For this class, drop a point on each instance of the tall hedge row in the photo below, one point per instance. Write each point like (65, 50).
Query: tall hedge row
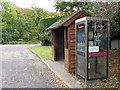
(45, 35)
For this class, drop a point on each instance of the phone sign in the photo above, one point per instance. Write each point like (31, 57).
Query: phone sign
(93, 48)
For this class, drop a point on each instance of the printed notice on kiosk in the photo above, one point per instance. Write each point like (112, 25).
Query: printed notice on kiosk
(93, 48)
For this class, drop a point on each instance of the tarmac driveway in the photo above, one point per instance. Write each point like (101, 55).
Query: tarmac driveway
(22, 69)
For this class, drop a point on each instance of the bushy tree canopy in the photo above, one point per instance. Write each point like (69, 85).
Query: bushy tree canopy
(70, 7)
(9, 17)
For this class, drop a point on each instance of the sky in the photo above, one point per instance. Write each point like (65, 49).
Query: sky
(45, 4)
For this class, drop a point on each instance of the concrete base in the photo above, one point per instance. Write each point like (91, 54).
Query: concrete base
(58, 68)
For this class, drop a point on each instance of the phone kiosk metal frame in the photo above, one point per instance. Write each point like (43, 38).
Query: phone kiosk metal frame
(92, 46)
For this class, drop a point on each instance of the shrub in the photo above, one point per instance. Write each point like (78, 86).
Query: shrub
(45, 35)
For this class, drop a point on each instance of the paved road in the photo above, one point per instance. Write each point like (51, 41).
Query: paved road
(22, 69)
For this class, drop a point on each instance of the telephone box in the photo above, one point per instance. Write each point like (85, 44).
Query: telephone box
(92, 47)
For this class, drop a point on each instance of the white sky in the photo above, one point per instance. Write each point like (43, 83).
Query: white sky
(45, 4)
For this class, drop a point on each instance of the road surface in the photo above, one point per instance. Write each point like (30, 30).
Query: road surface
(22, 69)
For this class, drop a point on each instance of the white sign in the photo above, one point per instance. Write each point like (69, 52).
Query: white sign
(93, 48)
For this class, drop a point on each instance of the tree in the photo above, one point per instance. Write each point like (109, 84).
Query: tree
(28, 20)
(110, 10)
(8, 21)
(18, 23)
(70, 7)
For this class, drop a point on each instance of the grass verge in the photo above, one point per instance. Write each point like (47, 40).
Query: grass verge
(44, 51)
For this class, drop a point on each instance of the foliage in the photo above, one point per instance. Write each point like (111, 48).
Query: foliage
(111, 11)
(18, 23)
(44, 51)
(98, 9)
(45, 35)
(8, 21)
(28, 21)
(70, 7)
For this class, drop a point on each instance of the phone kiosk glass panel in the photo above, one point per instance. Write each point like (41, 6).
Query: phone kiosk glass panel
(97, 50)
(81, 49)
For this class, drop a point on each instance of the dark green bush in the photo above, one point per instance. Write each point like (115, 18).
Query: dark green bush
(45, 35)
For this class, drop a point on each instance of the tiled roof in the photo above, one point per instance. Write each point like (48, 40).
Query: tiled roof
(62, 21)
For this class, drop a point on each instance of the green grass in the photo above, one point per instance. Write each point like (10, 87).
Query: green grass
(44, 51)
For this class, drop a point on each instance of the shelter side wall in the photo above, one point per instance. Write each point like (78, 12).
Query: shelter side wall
(71, 51)
(71, 48)
(68, 62)
(53, 46)
(66, 49)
